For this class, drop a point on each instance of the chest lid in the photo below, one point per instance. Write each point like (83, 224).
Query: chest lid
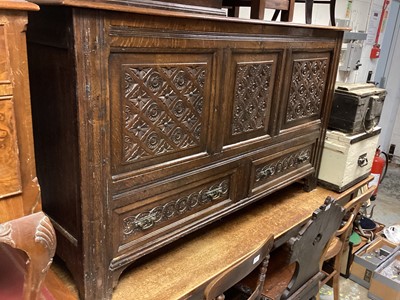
(359, 90)
(349, 139)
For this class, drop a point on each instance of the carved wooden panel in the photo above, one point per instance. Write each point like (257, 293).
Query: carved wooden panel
(10, 178)
(284, 164)
(252, 90)
(148, 222)
(175, 209)
(307, 87)
(253, 84)
(162, 110)
(266, 170)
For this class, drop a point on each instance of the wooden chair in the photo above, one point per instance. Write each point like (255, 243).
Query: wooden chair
(34, 235)
(257, 8)
(309, 8)
(294, 271)
(333, 255)
(239, 270)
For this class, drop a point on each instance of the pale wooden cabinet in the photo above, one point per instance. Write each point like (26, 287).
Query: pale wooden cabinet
(22, 224)
(152, 123)
(19, 189)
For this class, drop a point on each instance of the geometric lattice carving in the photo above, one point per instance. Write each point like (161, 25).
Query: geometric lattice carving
(285, 163)
(162, 109)
(175, 208)
(252, 90)
(307, 88)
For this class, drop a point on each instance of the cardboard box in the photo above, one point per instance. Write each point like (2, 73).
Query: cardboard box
(370, 257)
(385, 283)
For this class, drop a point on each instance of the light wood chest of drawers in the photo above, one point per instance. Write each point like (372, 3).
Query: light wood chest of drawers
(151, 124)
(19, 189)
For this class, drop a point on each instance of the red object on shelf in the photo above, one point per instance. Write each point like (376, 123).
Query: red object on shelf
(377, 169)
(375, 51)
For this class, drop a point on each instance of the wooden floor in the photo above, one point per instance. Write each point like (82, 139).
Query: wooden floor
(59, 283)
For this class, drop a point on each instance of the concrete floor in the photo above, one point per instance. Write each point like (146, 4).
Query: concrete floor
(386, 211)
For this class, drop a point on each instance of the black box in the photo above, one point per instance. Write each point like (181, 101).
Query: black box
(356, 107)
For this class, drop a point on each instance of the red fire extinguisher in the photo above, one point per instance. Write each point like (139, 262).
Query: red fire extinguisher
(378, 170)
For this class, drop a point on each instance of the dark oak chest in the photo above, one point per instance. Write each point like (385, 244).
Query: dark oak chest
(151, 124)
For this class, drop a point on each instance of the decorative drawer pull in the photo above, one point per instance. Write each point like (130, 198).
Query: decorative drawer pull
(267, 172)
(214, 193)
(145, 222)
(362, 160)
(302, 158)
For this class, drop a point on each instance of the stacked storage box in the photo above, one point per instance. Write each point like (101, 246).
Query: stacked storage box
(353, 136)
(347, 159)
(385, 283)
(370, 257)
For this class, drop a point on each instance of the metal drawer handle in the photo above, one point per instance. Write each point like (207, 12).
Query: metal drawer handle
(303, 157)
(267, 172)
(362, 160)
(145, 222)
(214, 193)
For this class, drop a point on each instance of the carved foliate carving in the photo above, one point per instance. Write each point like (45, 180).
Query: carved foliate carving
(284, 164)
(252, 88)
(307, 88)
(175, 208)
(162, 109)
(45, 235)
(5, 234)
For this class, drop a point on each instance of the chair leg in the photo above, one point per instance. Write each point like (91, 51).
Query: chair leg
(309, 8)
(332, 7)
(257, 9)
(276, 14)
(287, 15)
(336, 276)
(233, 11)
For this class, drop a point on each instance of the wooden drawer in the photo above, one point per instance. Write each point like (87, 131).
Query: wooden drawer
(146, 225)
(270, 171)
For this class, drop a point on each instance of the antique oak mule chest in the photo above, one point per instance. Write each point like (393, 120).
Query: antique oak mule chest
(152, 123)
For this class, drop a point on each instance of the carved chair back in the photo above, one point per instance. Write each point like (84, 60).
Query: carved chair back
(336, 247)
(307, 248)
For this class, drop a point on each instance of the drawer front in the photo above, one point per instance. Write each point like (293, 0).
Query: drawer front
(10, 177)
(294, 163)
(163, 217)
(5, 78)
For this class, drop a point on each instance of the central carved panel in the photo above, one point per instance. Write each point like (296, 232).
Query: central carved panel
(162, 109)
(252, 88)
(307, 88)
